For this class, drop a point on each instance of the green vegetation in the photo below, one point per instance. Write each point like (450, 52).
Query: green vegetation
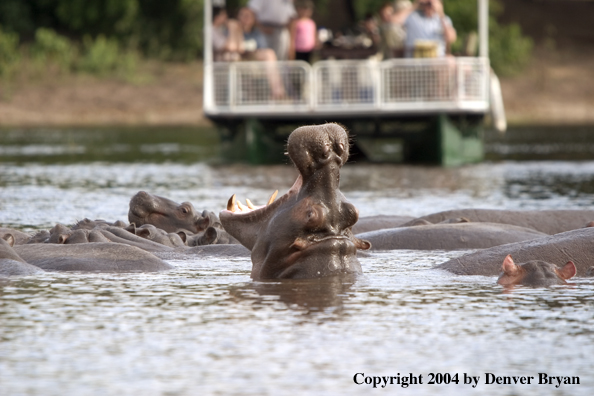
(9, 53)
(50, 49)
(509, 50)
(107, 37)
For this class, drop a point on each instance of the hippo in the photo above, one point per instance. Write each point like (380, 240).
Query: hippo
(20, 237)
(165, 214)
(152, 233)
(379, 222)
(41, 236)
(306, 233)
(576, 246)
(210, 236)
(534, 273)
(87, 224)
(146, 237)
(456, 236)
(90, 257)
(547, 221)
(11, 264)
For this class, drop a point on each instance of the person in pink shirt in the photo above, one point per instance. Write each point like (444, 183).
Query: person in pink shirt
(304, 31)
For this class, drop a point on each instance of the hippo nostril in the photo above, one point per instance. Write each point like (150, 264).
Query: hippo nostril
(339, 149)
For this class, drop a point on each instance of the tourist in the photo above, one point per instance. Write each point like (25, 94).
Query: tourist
(226, 36)
(392, 35)
(254, 49)
(304, 31)
(274, 18)
(428, 23)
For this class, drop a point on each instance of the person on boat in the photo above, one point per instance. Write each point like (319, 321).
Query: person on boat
(391, 32)
(370, 30)
(274, 18)
(304, 31)
(227, 39)
(254, 42)
(254, 48)
(402, 9)
(427, 25)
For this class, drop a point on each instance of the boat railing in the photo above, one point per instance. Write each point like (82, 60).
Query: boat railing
(396, 86)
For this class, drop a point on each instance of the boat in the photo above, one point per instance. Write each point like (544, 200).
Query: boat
(414, 110)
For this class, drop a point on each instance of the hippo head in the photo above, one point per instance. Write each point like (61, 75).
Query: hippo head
(165, 214)
(534, 273)
(306, 233)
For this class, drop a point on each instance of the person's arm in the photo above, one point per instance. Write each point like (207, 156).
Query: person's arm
(449, 33)
(292, 30)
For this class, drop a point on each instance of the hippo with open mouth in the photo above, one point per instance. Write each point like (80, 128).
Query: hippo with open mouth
(306, 233)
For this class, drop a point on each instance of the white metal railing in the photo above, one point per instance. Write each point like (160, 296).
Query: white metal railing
(349, 87)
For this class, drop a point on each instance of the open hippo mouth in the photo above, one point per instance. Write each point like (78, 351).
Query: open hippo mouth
(305, 233)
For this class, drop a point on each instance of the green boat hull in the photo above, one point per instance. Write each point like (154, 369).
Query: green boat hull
(442, 139)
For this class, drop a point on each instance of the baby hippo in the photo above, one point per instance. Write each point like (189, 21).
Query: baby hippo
(534, 273)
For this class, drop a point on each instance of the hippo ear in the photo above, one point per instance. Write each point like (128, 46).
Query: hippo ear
(210, 236)
(63, 238)
(203, 222)
(131, 228)
(568, 270)
(183, 235)
(509, 267)
(143, 232)
(9, 238)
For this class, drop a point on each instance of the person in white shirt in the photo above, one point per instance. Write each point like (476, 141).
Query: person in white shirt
(274, 18)
(429, 22)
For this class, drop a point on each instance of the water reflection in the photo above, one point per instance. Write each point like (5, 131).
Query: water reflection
(307, 295)
(124, 144)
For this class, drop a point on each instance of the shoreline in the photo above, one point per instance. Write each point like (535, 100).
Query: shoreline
(555, 89)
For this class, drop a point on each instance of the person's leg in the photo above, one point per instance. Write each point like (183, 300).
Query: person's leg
(278, 41)
(267, 55)
(235, 38)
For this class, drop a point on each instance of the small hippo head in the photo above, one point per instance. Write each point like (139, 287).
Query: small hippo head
(165, 214)
(534, 273)
(306, 233)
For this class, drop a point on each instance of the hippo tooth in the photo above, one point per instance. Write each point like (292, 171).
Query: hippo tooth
(272, 197)
(241, 207)
(249, 204)
(231, 204)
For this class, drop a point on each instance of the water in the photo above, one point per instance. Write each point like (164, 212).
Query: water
(206, 328)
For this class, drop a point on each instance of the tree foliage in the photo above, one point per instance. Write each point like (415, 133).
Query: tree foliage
(168, 29)
(172, 29)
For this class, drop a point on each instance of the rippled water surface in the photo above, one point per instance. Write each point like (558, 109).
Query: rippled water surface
(206, 328)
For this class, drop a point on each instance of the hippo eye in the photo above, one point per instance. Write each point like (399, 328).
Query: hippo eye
(315, 216)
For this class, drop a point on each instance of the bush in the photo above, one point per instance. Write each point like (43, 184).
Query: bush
(9, 53)
(51, 48)
(509, 51)
(104, 56)
(100, 56)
